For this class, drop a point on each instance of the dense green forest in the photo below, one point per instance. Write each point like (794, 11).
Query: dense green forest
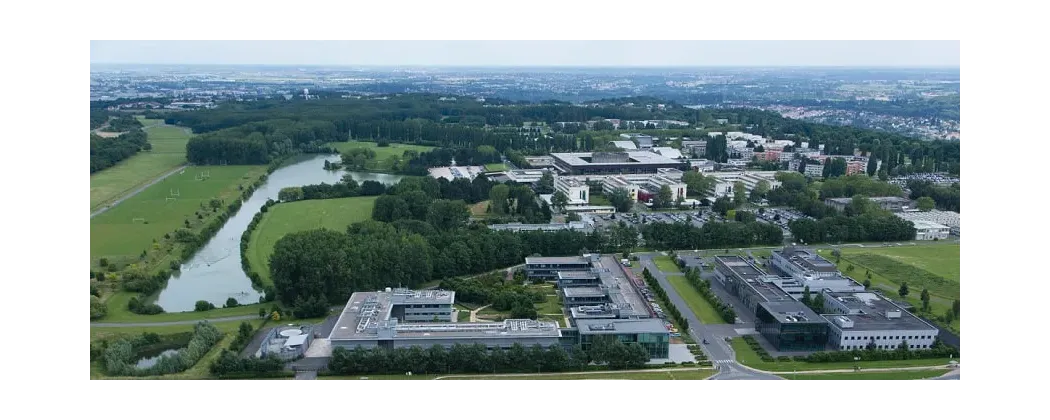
(108, 151)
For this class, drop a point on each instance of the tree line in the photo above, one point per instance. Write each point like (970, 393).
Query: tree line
(258, 143)
(659, 291)
(944, 197)
(868, 227)
(108, 151)
(118, 358)
(710, 235)
(703, 287)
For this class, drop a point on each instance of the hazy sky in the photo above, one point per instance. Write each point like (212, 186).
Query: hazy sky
(533, 53)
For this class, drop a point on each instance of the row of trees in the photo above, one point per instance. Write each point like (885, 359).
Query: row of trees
(659, 291)
(849, 186)
(710, 235)
(869, 227)
(108, 151)
(704, 288)
(228, 365)
(944, 197)
(871, 353)
(123, 123)
(260, 142)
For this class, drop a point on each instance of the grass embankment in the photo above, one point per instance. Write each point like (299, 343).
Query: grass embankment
(703, 310)
(335, 214)
(122, 233)
(169, 152)
(118, 312)
(746, 356)
(198, 371)
(495, 167)
(385, 156)
(896, 375)
(935, 267)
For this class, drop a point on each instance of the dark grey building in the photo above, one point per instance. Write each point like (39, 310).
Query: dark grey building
(548, 267)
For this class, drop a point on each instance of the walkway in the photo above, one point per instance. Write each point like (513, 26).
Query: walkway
(474, 313)
(602, 372)
(161, 324)
(136, 191)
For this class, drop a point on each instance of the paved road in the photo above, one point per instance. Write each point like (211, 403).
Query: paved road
(136, 191)
(161, 324)
(718, 350)
(609, 372)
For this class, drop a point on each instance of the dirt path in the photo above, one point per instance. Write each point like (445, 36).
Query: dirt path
(474, 313)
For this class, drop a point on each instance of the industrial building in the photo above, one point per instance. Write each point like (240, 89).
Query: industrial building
(626, 162)
(894, 204)
(858, 319)
(548, 267)
(383, 319)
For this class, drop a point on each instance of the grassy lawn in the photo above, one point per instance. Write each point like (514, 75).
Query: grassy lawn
(748, 357)
(384, 155)
(599, 200)
(198, 371)
(665, 264)
(282, 219)
(123, 232)
(891, 266)
(898, 375)
(169, 151)
(491, 314)
(495, 167)
(703, 310)
(654, 375)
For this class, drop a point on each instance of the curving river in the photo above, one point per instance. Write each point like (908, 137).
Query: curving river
(214, 274)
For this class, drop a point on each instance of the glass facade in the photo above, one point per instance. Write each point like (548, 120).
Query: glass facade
(658, 345)
(793, 336)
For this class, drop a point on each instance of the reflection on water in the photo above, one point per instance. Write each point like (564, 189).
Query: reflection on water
(147, 360)
(214, 274)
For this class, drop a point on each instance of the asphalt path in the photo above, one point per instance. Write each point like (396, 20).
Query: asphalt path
(718, 350)
(136, 191)
(338, 309)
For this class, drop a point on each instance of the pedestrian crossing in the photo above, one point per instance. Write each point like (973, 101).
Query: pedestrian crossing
(724, 361)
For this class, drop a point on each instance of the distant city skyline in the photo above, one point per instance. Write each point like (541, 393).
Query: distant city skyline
(636, 54)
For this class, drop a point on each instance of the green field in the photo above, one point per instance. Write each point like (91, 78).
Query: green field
(169, 151)
(748, 357)
(703, 310)
(665, 264)
(495, 167)
(893, 375)
(384, 155)
(282, 219)
(933, 266)
(598, 200)
(198, 371)
(123, 232)
(118, 311)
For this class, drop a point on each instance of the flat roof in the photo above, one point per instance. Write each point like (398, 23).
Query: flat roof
(740, 267)
(585, 291)
(557, 260)
(296, 340)
(621, 292)
(635, 157)
(769, 291)
(926, 224)
(412, 297)
(621, 326)
(366, 316)
(806, 259)
(577, 275)
(869, 313)
(788, 312)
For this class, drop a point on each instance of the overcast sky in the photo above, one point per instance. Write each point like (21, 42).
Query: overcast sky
(533, 53)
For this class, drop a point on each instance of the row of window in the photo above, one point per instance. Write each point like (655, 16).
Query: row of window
(427, 306)
(889, 337)
(886, 347)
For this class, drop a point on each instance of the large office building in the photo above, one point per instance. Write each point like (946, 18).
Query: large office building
(748, 282)
(548, 267)
(650, 333)
(613, 183)
(727, 180)
(647, 185)
(858, 319)
(582, 226)
(626, 162)
(394, 319)
(801, 269)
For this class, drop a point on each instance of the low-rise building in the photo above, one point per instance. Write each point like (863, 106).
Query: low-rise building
(577, 192)
(894, 204)
(791, 326)
(856, 320)
(548, 267)
(613, 183)
(946, 218)
(626, 162)
(814, 170)
(726, 181)
(693, 147)
(650, 333)
(928, 231)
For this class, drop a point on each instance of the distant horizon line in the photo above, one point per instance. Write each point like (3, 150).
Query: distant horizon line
(520, 66)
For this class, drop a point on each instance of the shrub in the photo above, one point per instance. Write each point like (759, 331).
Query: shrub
(118, 358)
(203, 305)
(98, 308)
(783, 359)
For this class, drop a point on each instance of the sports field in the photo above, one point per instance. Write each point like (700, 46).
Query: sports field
(384, 155)
(335, 214)
(169, 151)
(123, 232)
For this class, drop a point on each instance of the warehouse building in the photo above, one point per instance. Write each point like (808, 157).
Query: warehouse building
(384, 319)
(859, 319)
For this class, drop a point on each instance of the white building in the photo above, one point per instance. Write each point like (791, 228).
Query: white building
(668, 152)
(702, 165)
(649, 183)
(625, 144)
(928, 231)
(947, 218)
(613, 182)
(815, 170)
(726, 180)
(859, 319)
(578, 192)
